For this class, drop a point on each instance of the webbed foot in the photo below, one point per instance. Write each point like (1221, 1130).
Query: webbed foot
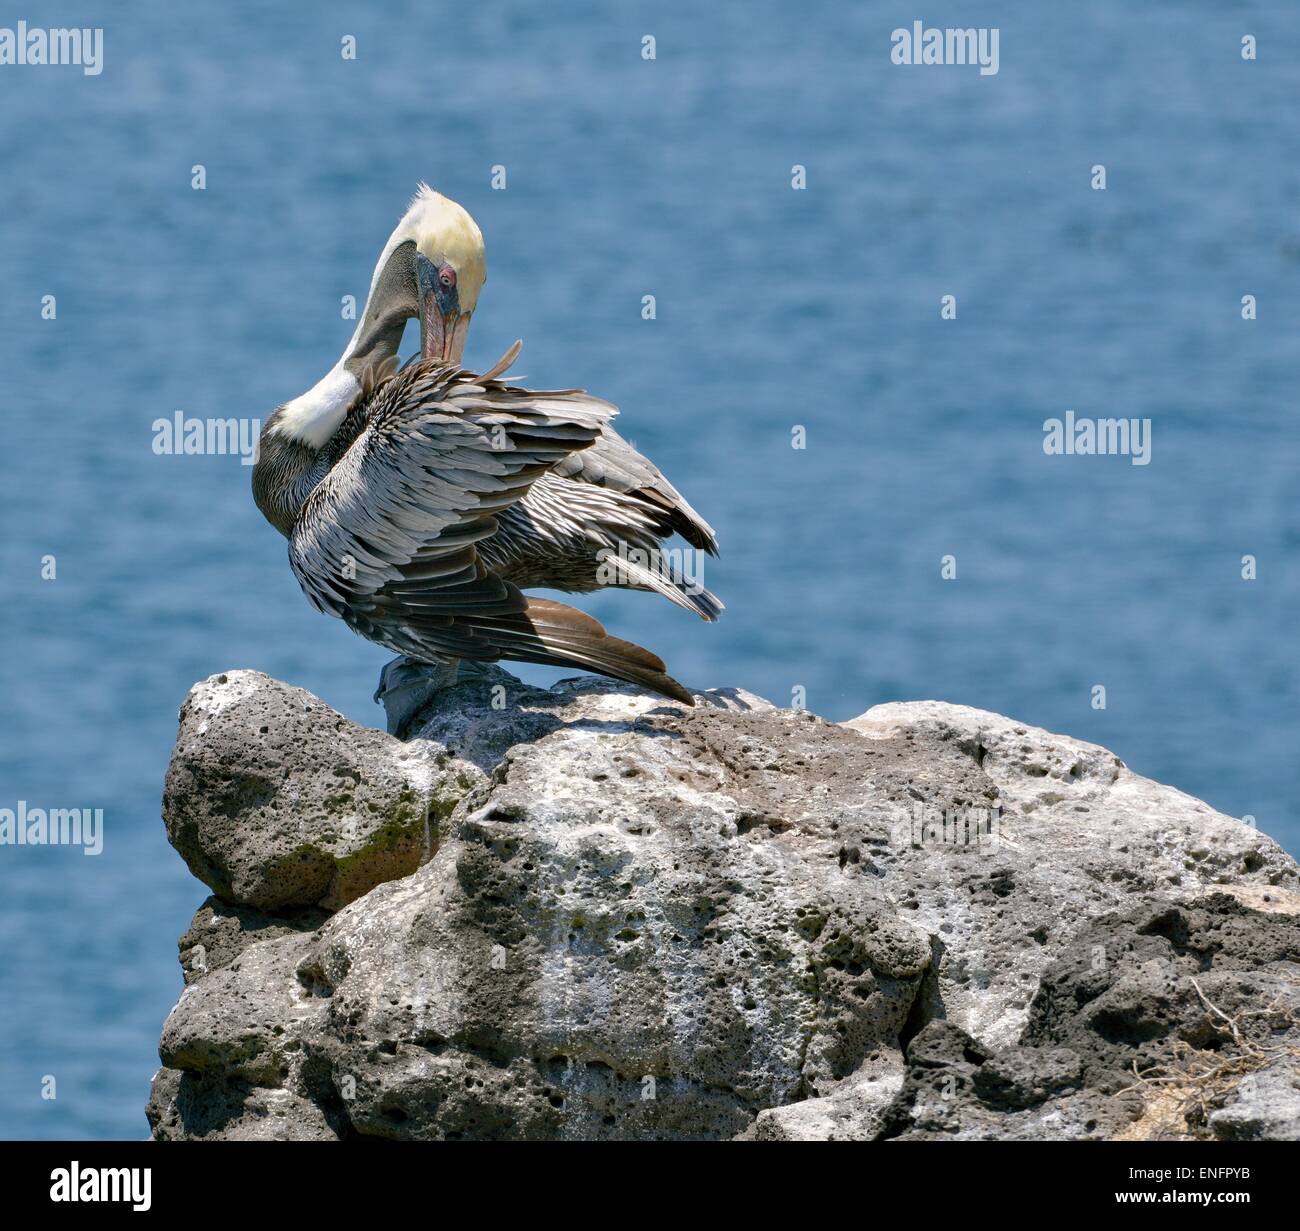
(406, 687)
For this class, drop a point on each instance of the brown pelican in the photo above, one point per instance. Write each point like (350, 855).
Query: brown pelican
(418, 502)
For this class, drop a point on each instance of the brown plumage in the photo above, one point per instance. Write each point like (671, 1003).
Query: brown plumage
(441, 492)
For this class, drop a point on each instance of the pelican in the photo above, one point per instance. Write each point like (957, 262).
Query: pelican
(419, 502)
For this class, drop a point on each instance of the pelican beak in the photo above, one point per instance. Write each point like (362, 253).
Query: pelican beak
(443, 326)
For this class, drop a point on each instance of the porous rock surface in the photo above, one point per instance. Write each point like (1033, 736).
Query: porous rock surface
(278, 803)
(585, 912)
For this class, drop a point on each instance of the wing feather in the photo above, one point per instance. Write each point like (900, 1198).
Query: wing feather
(387, 540)
(613, 462)
(419, 484)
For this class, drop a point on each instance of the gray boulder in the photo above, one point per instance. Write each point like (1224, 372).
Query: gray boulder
(625, 919)
(276, 802)
(1148, 1019)
(1264, 1106)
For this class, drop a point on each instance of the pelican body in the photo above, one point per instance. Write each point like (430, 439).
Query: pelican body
(419, 503)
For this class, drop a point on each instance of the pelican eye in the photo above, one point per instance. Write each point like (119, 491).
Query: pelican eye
(447, 276)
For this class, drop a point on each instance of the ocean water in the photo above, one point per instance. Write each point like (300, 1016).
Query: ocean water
(776, 308)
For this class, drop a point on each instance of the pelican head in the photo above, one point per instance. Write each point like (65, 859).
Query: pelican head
(432, 267)
(450, 269)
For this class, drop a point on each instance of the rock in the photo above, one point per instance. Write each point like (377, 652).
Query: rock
(276, 802)
(856, 1109)
(1076, 831)
(219, 933)
(1164, 1002)
(631, 920)
(1133, 980)
(957, 1090)
(239, 1021)
(1018, 1077)
(185, 1107)
(1265, 1106)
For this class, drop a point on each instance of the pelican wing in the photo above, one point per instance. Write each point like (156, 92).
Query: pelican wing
(614, 463)
(441, 451)
(387, 540)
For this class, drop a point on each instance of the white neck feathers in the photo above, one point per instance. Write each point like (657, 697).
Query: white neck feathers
(313, 417)
(440, 228)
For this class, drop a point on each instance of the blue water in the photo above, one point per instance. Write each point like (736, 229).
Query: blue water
(775, 308)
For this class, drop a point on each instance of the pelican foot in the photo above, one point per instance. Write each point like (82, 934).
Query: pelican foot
(406, 687)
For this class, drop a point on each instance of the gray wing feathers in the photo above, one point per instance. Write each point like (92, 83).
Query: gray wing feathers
(423, 478)
(569, 535)
(388, 540)
(612, 462)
